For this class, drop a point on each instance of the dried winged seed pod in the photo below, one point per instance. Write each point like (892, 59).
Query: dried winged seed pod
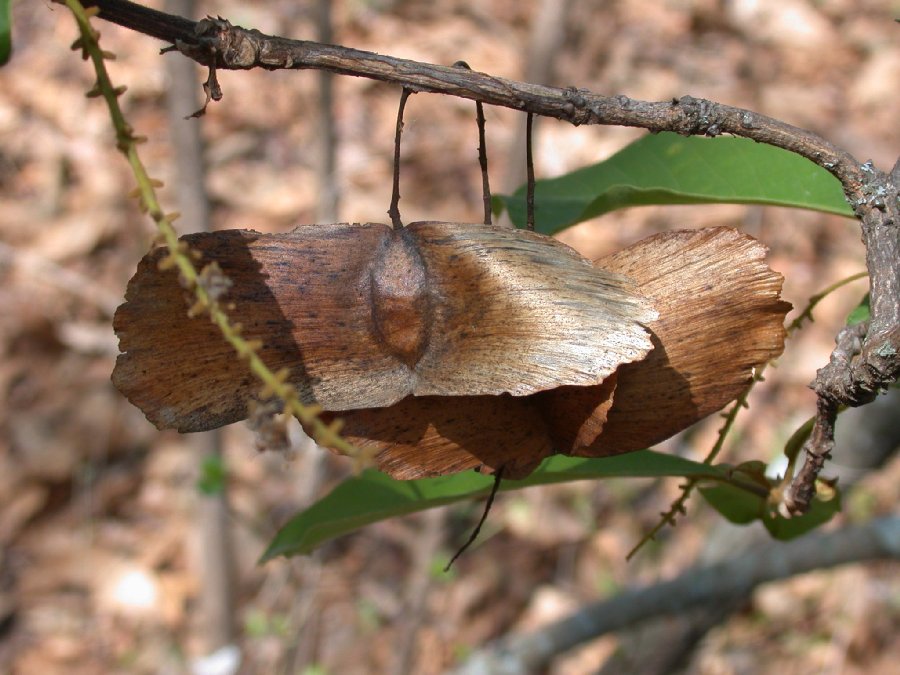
(364, 316)
(720, 316)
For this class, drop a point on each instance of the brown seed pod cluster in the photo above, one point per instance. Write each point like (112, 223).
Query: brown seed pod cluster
(449, 346)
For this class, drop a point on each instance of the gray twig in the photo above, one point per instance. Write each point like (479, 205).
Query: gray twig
(699, 586)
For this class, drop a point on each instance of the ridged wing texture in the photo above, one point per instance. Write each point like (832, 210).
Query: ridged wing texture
(517, 312)
(363, 316)
(720, 317)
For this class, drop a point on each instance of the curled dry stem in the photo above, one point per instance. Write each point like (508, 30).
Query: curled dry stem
(209, 284)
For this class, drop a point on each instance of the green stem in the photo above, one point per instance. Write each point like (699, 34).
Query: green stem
(180, 255)
(818, 297)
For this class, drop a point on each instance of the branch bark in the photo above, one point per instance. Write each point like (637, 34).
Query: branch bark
(699, 586)
(847, 380)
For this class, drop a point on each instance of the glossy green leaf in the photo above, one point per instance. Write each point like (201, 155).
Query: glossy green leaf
(738, 506)
(820, 512)
(667, 168)
(795, 443)
(5, 31)
(374, 496)
(742, 507)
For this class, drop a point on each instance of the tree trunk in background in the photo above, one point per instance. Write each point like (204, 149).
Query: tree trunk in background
(215, 558)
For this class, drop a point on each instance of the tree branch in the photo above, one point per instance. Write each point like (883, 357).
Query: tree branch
(216, 42)
(698, 586)
(873, 195)
(166, 27)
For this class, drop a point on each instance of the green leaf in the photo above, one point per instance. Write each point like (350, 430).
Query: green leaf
(667, 168)
(374, 496)
(5, 31)
(738, 506)
(742, 507)
(795, 443)
(859, 313)
(821, 510)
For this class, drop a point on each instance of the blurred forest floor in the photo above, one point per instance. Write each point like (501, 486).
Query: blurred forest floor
(98, 564)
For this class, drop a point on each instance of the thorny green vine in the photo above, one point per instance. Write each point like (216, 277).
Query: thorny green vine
(210, 284)
(791, 449)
